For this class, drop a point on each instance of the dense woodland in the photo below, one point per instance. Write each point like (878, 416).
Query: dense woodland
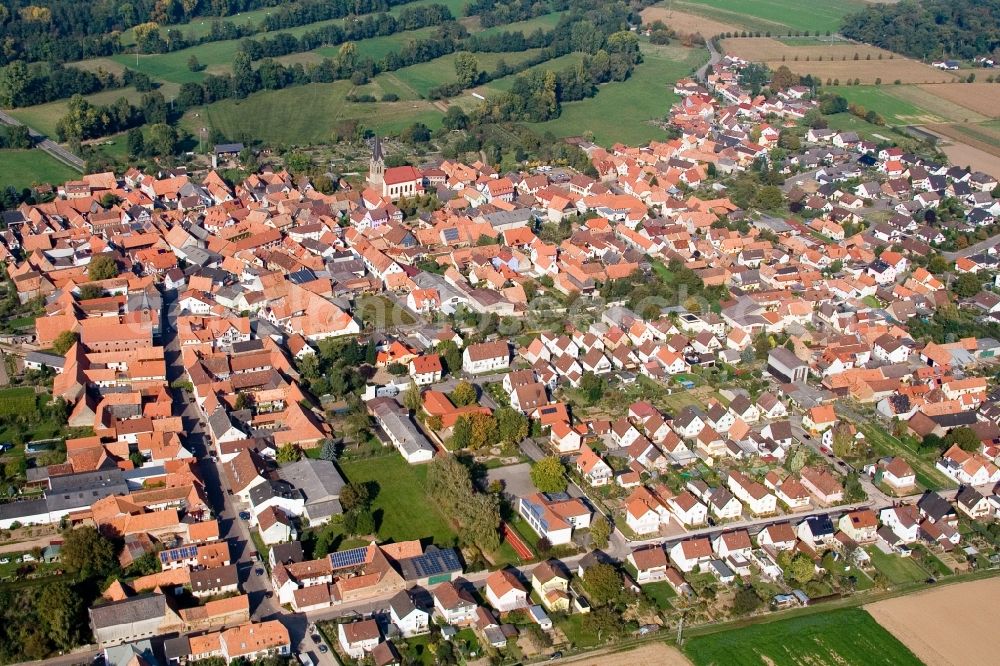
(929, 28)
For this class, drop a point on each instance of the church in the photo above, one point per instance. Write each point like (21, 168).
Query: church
(393, 183)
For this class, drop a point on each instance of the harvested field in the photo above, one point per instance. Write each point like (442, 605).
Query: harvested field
(969, 147)
(927, 98)
(837, 61)
(686, 23)
(654, 654)
(964, 614)
(982, 98)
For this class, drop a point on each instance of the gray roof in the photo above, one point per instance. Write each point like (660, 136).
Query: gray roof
(214, 578)
(401, 604)
(135, 609)
(287, 552)
(122, 655)
(52, 360)
(318, 480)
(505, 217)
(23, 509)
(76, 490)
(395, 420)
(219, 422)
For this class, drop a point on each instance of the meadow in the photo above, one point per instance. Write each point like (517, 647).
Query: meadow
(775, 14)
(844, 637)
(24, 168)
(884, 101)
(622, 111)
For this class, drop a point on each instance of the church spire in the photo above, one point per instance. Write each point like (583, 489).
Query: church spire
(377, 149)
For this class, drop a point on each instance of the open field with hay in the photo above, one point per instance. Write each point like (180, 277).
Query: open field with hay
(970, 145)
(945, 626)
(776, 14)
(836, 60)
(686, 23)
(983, 98)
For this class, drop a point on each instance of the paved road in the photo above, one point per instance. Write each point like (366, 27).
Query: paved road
(236, 531)
(713, 58)
(46, 144)
(981, 246)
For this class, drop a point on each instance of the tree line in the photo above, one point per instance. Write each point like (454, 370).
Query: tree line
(66, 30)
(929, 28)
(25, 85)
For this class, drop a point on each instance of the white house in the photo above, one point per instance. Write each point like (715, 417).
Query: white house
(691, 554)
(410, 620)
(756, 497)
(904, 521)
(426, 370)
(358, 638)
(688, 510)
(454, 604)
(554, 519)
(593, 468)
(505, 592)
(486, 357)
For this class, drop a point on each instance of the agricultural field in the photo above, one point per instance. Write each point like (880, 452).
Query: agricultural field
(836, 61)
(982, 98)
(24, 168)
(849, 636)
(307, 114)
(21, 400)
(686, 23)
(555, 65)
(775, 14)
(622, 111)
(964, 613)
(417, 80)
(885, 101)
(976, 146)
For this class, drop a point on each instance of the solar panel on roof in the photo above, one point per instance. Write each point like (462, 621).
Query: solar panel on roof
(451, 234)
(348, 558)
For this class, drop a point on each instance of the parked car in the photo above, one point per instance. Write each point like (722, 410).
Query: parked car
(244, 515)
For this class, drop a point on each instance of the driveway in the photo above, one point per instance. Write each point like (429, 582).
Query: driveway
(516, 479)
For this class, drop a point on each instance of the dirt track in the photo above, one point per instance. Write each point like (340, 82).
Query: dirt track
(652, 654)
(949, 626)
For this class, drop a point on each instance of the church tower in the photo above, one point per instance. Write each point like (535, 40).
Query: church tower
(376, 167)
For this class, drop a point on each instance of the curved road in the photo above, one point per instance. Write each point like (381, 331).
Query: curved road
(713, 58)
(45, 144)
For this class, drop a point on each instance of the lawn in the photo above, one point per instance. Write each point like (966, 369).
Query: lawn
(898, 570)
(403, 511)
(883, 444)
(420, 78)
(850, 636)
(307, 114)
(576, 633)
(544, 22)
(24, 168)
(556, 64)
(881, 100)
(381, 312)
(622, 111)
(775, 14)
(660, 594)
(19, 400)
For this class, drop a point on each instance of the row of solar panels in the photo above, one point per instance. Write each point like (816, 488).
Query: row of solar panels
(182, 553)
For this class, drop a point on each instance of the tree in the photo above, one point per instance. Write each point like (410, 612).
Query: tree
(592, 387)
(448, 350)
(966, 438)
(968, 285)
(64, 341)
(463, 394)
(354, 496)
(853, 490)
(746, 601)
(512, 425)
(411, 398)
(329, 451)
(102, 267)
(288, 453)
(242, 401)
(600, 531)
(603, 583)
(61, 610)
(467, 69)
(193, 64)
(455, 118)
(783, 78)
(162, 139)
(548, 475)
(461, 434)
(483, 430)
(801, 569)
(769, 197)
(244, 77)
(359, 522)
(846, 444)
(87, 554)
(135, 142)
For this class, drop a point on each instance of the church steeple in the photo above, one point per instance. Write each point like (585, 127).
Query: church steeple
(376, 167)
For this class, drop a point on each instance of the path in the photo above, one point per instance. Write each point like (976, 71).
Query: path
(981, 246)
(714, 57)
(45, 144)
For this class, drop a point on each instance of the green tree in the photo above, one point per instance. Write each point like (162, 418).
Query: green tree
(845, 442)
(193, 64)
(455, 118)
(87, 554)
(244, 76)
(801, 569)
(355, 496)
(600, 531)
(467, 69)
(461, 434)
(548, 475)
(592, 387)
(512, 425)
(463, 394)
(449, 351)
(64, 341)
(102, 267)
(603, 583)
(968, 285)
(329, 451)
(162, 139)
(288, 453)
(61, 610)
(746, 601)
(411, 398)
(769, 197)
(359, 522)
(966, 438)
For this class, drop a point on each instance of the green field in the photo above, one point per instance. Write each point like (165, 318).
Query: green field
(24, 168)
(417, 80)
(845, 637)
(403, 511)
(555, 65)
(660, 594)
(306, 114)
(543, 22)
(899, 570)
(44, 117)
(19, 400)
(621, 111)
(775, 14)
(881, 100)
